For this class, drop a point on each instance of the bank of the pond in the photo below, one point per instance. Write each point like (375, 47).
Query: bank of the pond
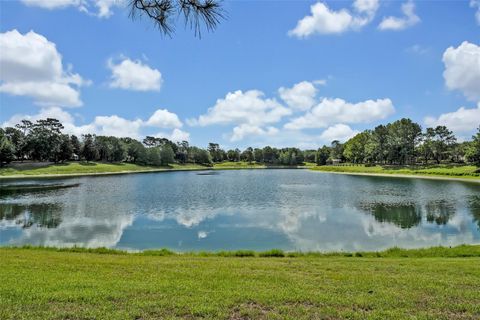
(456, 173)
(76, 169)
(437, 283)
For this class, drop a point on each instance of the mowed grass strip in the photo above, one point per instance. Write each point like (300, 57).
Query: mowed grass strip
(50, 284)
(440, 170)
(88, 168)
(82, 167)
(79, 168)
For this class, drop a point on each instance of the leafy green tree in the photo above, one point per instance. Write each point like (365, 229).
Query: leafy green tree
(459, 150)
(258, 155)
(336, 150)
(17, 138)
(322, 155)
(293, 158)
(309, 155)
(299, 155)
(136, 152)
(444, 139)
(25, 126)
(150, 141)
(43, 139)
(270, 155)
(65, 149)
(51, 124)
(473, 151)
(426, 147)
(89, 149)
(7, 149)
(354, 148)
(76, 145)
(377, 148)
(182, 151)
(215, 152)
(233, 155)
(119, 150)
(284, 158)
(403, 137)
(153, 156)
(105, 148)
(201, 156)
(247, 155)
(167, 156)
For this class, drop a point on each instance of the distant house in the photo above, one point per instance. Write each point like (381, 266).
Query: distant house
(334, 161)
(75, 157)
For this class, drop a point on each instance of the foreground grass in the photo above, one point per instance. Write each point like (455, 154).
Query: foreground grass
(438, 283)
(439, 171)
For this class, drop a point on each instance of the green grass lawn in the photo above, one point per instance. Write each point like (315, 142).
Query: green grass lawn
(238, 165)
(89, 167)
(100, 167)
(440, 170)
(104, 284)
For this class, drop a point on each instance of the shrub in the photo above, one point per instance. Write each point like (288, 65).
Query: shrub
(272, 253)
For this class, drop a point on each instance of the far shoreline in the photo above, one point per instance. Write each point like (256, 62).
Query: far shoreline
(396, 175)
(161, 170)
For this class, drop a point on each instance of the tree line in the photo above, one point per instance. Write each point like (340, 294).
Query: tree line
(401, 142)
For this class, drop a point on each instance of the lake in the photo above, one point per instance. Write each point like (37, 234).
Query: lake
(240, 209)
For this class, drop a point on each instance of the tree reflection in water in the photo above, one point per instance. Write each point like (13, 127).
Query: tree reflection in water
(407, 215)
(474, 204)
(42, 215)
(439, 212)
(402, 215)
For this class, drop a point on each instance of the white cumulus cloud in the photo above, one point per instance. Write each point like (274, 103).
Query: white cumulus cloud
(462, 69)
(117, 126)
(104, 8)
(163, 118)
(324, 20)
(176, 135)
(53, 4)
(301, 96)
(463, 120)
(250, 111)
(409, 19)
(331, 111)
(248, 130)
(340, 132)
(134, 75)
(179, 135)
(243, 107)
(31, 66)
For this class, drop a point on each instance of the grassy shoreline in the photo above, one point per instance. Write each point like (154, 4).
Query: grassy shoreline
(459, 173)
(77, 169)
(461, 251)
(435, 283)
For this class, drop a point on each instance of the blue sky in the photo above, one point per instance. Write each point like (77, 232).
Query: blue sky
(356, 64)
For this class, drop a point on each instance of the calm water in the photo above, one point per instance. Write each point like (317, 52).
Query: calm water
(249, 209)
